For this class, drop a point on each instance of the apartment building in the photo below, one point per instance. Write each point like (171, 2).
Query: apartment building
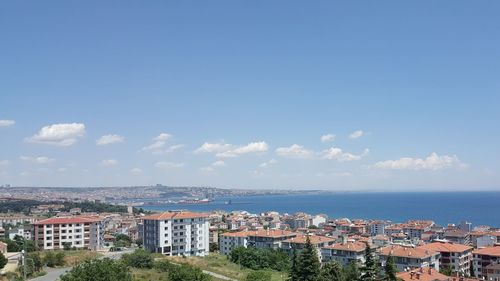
(15, 220)
(344, 252)
(415, 228)
(269, 238)
(177, 233)
(458, 257)
(78, 232)
(483, 258)
(231, 240)
(3, 247)
(409, 258)
(377, 227)
(457, 236)
(298, 243)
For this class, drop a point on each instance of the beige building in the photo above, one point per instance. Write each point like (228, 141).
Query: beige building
(407, 258)
(458, 257)
(483, 258)
(344, 253)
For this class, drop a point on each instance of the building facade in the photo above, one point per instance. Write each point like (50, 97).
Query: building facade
(78, 232)
(457, 257)
(177, 233)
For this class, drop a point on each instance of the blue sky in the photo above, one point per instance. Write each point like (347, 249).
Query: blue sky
(259, 83)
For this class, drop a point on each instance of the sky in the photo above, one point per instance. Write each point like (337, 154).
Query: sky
(336, 95)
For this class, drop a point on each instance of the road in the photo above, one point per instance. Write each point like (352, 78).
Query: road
(53, 274)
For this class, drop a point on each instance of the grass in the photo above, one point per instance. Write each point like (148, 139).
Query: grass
(73, 258)
(222, 265)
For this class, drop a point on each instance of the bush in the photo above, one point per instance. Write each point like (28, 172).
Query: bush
(139, 259)
(187, 272)
(54, 259)
(260, 258)
(99, 270)
(259, 276)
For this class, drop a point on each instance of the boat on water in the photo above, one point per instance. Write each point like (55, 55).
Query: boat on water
(194, 201)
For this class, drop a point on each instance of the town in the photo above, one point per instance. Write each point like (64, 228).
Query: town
(417, 249)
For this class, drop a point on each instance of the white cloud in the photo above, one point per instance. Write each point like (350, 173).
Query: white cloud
(432, 162)
(159, 143)
(4, 162)
(136, 171)
(37, 160)
(219, 163)
(336, 153)
(7, 123)
(109, 162)
(253, 147)
(59, 134)
(356, 134)
(327, 138)
(62, 170)
(268, 163)
(225, 150)
(173, 148)
(168, 165)
(109, 139)
(213, 148)
(294, 151)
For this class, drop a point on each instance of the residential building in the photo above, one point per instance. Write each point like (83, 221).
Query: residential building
(409, 257)
(457, 257)
(424, 274)
(3, 247)
(177, 233)
(457, 236)
(15, 220)
(484, 257)
(492, 272)
(377, 227)
(344, 252)
(78, 232)
(232, 240)
(415, 228)
(268, 238)
(297, 243)
(2, 232)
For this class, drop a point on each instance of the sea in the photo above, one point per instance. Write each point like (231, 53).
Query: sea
(479, 208)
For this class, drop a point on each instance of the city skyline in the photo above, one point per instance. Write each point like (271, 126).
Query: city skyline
(222, 94)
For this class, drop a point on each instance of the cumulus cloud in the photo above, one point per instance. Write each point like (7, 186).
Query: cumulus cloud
(219, 163)
(109, 162)
(7, 123)
(338, 154)
(136, 171)
(59, 134)
(159, 142)
(432, 162)
(294, 151)
(173, 148)
(253, 147)
(327, 138)
(356, 134)
(211, 168)
(225, 150)
(168, 165)
(268, 163)
(37, 160)
(109, 139)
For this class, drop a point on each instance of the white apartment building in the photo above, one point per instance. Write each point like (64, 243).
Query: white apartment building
(457, 257)
(177, 233)
(231, 240)
(377, 227)
(483, 258)
(406, 258)
(344, 253)
(269, 238)
(79, 232)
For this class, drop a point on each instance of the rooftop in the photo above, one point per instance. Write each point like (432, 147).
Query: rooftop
(446, 247)
(407, 252)
(65, 220)
(175, 215)
(490, 251)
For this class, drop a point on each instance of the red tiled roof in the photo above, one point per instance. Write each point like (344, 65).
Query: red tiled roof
(176, 215)
(407, 252)
(65, 220)
(490, 251)
(446, 247)
(315, 239)
(349, 246)
(271, 233)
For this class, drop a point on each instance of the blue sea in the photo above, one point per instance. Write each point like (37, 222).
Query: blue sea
(480, 208)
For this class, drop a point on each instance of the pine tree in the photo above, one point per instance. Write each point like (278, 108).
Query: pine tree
(294, 272)
(331, 271)
(351, 271)
(390, 269)
(471, 269)
(370, 271)
(308, 263)
(3, 260)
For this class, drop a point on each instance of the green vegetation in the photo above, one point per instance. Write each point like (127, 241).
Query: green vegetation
(88, 206)
(390, 269)
(139, 259)
(122, 240)
(370, 271)
(259, 276)
(18, 206)
(99, 270)
(446, 271)
(331, 271)
(54, 259)
(351, 271)
(308, 264)
(18, 244)
(260, 258)
(3, 260)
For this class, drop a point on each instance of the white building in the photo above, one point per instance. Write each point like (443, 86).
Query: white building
(377, 227)
(177, 233)
(78, 232)
(344, 253)
(409, 257)
(231, 240)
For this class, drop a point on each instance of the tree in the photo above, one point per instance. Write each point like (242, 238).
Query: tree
(308, 263)
(213, 247)
(52, 259)
(446, 271)
(331, 271)
(471, 269)
(66, 246)
(99, 270)
(3, 260)
(390, 269)
(140, 258)
(259, 275)
(187, 272)
(36, 260)
(138, 242)
(351, 271)
(370, 271)
(294, 271)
